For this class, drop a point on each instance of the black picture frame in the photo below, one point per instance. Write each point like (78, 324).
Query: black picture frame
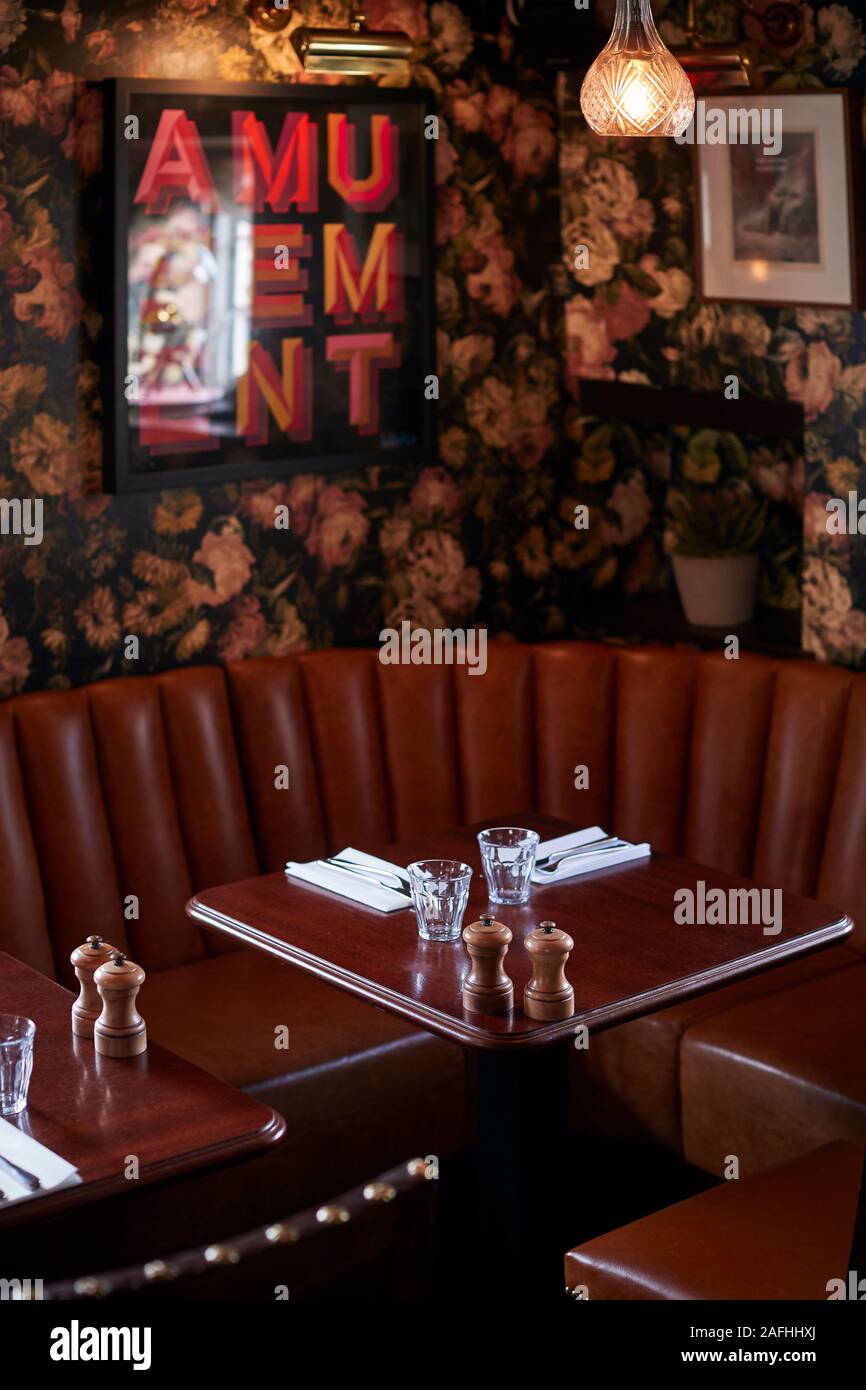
(412, 107)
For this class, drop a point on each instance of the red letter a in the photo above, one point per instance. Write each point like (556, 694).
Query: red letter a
(176, 166)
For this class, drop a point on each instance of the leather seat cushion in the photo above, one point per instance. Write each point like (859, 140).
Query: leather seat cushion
(777, 1076)
(357, 1086)
(783, 1235)
(627, 1082)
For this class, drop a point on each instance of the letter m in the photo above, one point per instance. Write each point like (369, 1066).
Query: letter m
(746, 903)
(10, 516)
(369, 290)
(744, 125)
(289, 177)
(12, 1290)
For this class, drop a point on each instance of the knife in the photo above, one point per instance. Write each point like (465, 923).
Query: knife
(29, 1179)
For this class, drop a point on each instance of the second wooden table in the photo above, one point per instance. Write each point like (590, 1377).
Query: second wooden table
(630, 958)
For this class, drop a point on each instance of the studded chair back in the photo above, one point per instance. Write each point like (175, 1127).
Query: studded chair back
(372, 1242)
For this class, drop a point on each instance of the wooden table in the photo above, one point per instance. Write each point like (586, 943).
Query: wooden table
(96, 1111)
(630, 958)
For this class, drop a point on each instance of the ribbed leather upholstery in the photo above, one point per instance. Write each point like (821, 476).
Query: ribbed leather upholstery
(785, 1234)
(157, 787)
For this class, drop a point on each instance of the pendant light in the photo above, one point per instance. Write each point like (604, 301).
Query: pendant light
(636, 86)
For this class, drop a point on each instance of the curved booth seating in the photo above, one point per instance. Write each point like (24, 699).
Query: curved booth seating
(785, 1234)
(123, 798)
(373, 1241)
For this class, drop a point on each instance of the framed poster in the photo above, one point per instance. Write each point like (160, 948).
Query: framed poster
(779, 198)
(272, 281)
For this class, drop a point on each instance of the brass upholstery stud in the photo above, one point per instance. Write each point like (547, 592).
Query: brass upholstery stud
(89, 1287)
(332, 1216)
(221, 1255)
(280, 1234)
(158, 1271)
(379, 1192)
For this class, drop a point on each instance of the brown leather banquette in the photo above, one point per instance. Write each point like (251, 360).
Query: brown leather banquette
(152, 788)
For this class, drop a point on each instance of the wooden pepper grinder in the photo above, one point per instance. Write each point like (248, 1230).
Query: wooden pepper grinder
(487, 989)
(88, 1006)
(120, 1030)
(548, 995)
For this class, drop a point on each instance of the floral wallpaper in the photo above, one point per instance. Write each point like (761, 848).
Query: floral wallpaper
(486, 532)
(201, 574)
(631, 315)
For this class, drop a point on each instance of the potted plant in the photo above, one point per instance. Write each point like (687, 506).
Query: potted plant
(714, 535)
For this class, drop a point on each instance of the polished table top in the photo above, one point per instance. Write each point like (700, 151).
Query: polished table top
(630, 956)
(96, 1111)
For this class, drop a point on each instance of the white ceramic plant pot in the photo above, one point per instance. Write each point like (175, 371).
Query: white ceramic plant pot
(718, 592)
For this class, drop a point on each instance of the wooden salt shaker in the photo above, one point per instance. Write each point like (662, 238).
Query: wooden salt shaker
(548, 996)
(88, 1006)
(487, 989)
(120, 1030)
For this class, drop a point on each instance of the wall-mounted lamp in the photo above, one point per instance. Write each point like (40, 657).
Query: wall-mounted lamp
(355, 51)
(738, 65)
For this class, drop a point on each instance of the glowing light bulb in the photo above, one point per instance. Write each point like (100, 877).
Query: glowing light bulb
(636, 86)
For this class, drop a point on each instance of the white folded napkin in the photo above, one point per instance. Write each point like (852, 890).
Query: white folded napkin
(584, 863)
(51, 1170)
(353, 886)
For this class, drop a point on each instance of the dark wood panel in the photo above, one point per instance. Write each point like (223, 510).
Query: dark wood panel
(620, 400)
(630, 956)
(94, 1111)
(660, 618)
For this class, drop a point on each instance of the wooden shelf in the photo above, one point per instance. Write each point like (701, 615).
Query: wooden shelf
(660, 618)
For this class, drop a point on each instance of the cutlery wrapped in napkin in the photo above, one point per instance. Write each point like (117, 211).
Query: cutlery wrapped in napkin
(609, 854)
(24, 1160)
(361, 877)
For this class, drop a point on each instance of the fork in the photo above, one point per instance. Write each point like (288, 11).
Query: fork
(379, 876)
(551, 864)
(589, 847)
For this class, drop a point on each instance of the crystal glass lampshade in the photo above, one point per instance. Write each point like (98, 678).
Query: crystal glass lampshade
(636, 86)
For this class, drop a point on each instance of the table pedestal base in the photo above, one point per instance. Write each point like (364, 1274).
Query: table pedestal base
(523, 1182)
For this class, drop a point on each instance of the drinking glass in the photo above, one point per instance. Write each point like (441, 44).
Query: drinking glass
(16, 1061)
(440, 892)
(508, 859)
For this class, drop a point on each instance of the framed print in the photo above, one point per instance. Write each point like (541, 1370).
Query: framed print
(779, 198)
(271, 303)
